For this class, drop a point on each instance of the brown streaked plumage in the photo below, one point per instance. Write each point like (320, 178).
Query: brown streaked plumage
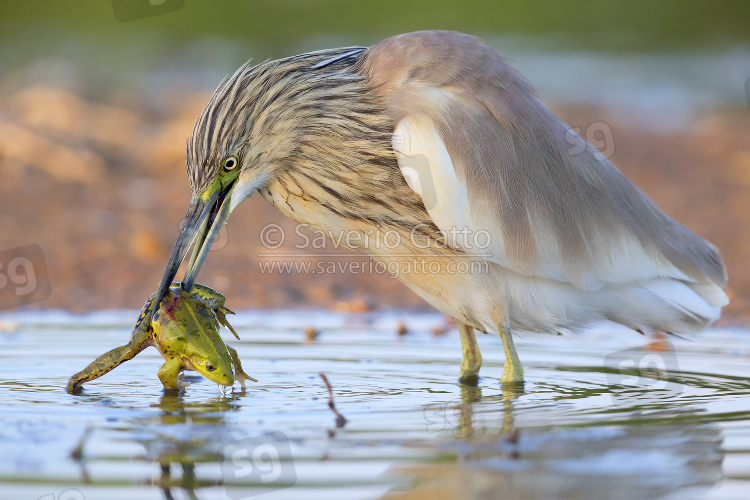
(429, 134)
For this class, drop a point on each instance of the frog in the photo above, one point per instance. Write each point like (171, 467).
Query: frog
(185, 330)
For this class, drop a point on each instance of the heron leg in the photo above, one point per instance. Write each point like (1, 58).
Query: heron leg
(471, 360)
(513, 371)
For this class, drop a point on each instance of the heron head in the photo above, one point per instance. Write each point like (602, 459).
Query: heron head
(261, 123)
(232, 153)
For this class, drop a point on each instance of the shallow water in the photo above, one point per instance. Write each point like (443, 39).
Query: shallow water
(600, 416)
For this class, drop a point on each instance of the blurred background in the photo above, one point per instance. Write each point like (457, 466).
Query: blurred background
(97, 100)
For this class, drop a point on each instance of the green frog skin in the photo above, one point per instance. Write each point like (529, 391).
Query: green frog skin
(185, 330)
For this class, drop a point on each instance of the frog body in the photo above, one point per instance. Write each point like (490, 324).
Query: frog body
(184, 329)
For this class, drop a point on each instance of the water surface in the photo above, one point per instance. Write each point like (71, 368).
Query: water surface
(600, 416)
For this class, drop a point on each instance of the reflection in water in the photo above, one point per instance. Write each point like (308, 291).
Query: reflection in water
(180, 436)
(612, 463)
(199, 426)
(654, 453)
(471, 394)
(595, 419)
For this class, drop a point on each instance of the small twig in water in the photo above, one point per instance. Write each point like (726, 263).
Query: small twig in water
(340, 419)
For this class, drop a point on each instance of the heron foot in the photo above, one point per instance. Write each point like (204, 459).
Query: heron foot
(471, 360)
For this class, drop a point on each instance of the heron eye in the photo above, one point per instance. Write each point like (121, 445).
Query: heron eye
(210, 367)
(231, 162)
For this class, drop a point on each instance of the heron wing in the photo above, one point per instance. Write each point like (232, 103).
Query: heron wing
(490, 159)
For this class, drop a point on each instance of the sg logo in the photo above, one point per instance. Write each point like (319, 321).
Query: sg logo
(257, 465)
(23, 276)
(632, 371)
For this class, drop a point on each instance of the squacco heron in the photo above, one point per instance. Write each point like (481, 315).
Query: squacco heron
(433, 137)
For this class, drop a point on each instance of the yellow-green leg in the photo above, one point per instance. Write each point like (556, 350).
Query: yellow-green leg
(471, 360)
(513, 371)
(110, 360)
(171, 374)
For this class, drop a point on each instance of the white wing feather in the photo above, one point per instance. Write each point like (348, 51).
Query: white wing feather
(428, 168)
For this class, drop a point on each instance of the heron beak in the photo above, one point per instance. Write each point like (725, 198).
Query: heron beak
(205, 216)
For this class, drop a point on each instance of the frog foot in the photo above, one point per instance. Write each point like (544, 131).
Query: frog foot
(241, 376)
(181, 386)
(221, 315)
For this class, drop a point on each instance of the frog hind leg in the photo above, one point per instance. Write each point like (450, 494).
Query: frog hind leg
(239, 374)
(110, 360)
(221, 315)
(171, 374)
